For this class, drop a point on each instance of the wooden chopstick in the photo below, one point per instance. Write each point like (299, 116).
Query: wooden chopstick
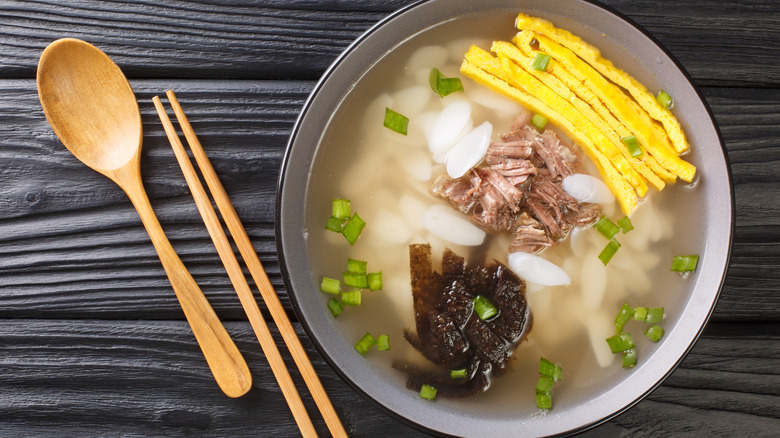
(255, 268)
(237, 278)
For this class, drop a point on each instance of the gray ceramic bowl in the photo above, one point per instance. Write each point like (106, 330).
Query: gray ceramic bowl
(300, 207)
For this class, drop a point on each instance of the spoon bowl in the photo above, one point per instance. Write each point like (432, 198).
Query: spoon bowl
(102, 125)
(92, 109)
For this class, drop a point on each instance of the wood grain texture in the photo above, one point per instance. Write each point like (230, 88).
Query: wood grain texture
(298, 39)
(92, 340)
(727, 386)
(80, 224)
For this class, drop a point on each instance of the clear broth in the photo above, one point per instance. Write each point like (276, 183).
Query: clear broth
(374, 167)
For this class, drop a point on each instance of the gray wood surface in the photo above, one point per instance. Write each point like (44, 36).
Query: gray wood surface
(92, 341)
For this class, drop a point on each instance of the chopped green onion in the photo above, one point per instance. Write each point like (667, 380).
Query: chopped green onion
(365, 343)
(685, 263)
(433, 79)
(664, 99)
(540, 62)
(609, 251)
(351, 298)
(625, 224)
(543, 401)
(458, 374)
(654, 314)
(330, 285)
(335, 224)
(396, 122)
(355, 280)
(484, 308)
(383, 342)
(622, 317)
(375, 280)
(442, 85)
(335, 307)
(544, 385)
(539, 121)
(654, 332)
(558, 374)
(353, 228)
(606, 227)
(356, 266)
(428, 392)
(640, 313)
(633, 145)
(620, 343)
(341, 208)
(546, 368)
(629, 358)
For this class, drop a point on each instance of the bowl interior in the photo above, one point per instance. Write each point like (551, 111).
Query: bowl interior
(327, 137)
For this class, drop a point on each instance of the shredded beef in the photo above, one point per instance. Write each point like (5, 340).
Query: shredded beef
(519, 188)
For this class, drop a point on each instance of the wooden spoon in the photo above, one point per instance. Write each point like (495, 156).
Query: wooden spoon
(93, 111)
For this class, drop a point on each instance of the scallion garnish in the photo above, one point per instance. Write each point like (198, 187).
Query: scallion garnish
(629, 358)
(356, 266)
(442, 85)
(544, 385)
(543, 401)
(484, 308)
(622, 317)
(625, 224)
(396, 122)
(340, 214)
(351, 298)
(640, 313)
(546, 368)
(654, 314)
(335, 307)
(375, 280)
(365, 343)
(428, 392)
(353, 228)
(341, 208)
(686, 263)
(549, 374)
(620, 343)
(609, 251)
(540, 62)
(335, 224)
(458, 374)
(633, 145)
(606, 227)
(383, 342)
(664, 99)
(330, 285)
(356, 280)
(539, 121)
(654, 332)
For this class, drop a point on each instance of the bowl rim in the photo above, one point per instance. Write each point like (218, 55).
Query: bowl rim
(282, 259)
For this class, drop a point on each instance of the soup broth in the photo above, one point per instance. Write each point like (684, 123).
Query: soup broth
(388, 177)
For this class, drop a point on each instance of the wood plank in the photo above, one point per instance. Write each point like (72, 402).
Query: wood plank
(73, 246)
(193, 39)
(146, 378)
(299, 39)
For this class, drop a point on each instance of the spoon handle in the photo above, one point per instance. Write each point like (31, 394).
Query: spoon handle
(226, 362)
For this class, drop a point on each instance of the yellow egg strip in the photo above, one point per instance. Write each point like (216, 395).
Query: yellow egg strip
(487, 70)
(522, 79)
(548, 79)
(652, 170)
(647, 131)
(592, 56)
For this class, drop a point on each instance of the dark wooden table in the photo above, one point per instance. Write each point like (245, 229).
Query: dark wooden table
(92, 340)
